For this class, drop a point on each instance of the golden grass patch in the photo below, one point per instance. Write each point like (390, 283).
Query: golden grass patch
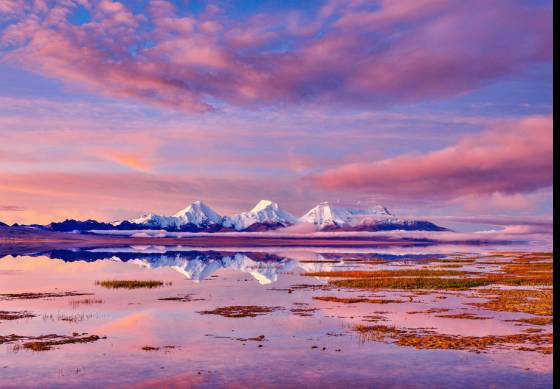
(536, 301)
(412, 283)
(131, 284)
(423, 339)
(354, 300)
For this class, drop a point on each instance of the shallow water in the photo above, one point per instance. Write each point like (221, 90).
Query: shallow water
(306, 342)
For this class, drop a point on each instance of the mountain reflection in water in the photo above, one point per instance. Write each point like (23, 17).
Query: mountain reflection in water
(198, 265)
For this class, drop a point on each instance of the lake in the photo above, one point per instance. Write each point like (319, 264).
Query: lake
(275, 317)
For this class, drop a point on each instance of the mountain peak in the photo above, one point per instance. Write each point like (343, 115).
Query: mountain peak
(324, 215)
(265, 212)
(264, 204)
(198, 213)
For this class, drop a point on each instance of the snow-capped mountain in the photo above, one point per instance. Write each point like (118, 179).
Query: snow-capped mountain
(199, 214)
(265, 215)
(324, 215)
(196, 216)
(328, 218)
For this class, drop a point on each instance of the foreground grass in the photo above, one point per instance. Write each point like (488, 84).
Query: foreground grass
(536, 302)
(131, 284)
(430, 340)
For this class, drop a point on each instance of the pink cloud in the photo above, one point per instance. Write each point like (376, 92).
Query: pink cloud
(49, 196)
(131, 160)
(11, 208)
(510, 158)
(401, 51)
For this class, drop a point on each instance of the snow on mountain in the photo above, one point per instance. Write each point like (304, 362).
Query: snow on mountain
(197, 214)
(155, 221)
(324, 215)
(264, 213)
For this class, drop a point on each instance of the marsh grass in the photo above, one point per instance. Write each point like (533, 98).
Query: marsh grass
(87, 301)
(39, 295)
(470, 343)
(522, 270)
(184, 298)
(465, 316)
(412, 283)
(535, 301)
(428, 311)
(70, 318)
(354, 300)
(422, 339)
(15, 315)
(131, 284)
(388, 273)
(47, 342)
(537, 321)
(238, 311)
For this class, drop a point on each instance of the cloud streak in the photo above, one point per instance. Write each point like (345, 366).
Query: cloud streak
(509, 158)
(347, 52)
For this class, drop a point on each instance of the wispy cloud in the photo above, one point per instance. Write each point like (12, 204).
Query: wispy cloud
(510, 158)
(346, 53)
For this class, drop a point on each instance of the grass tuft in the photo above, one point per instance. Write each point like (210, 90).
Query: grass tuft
(237, 311)
(131, 284)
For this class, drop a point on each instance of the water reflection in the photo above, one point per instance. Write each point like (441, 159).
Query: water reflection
(304, 340)
(199, 265)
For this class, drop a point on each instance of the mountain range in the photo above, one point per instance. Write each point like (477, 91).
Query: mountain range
(265, 216)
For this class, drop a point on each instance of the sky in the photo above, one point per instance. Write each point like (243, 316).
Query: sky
(439, 109)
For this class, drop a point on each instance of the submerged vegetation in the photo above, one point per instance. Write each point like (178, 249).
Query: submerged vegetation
(86, 301)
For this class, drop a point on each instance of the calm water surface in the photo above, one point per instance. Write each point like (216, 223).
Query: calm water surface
(307, 343)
